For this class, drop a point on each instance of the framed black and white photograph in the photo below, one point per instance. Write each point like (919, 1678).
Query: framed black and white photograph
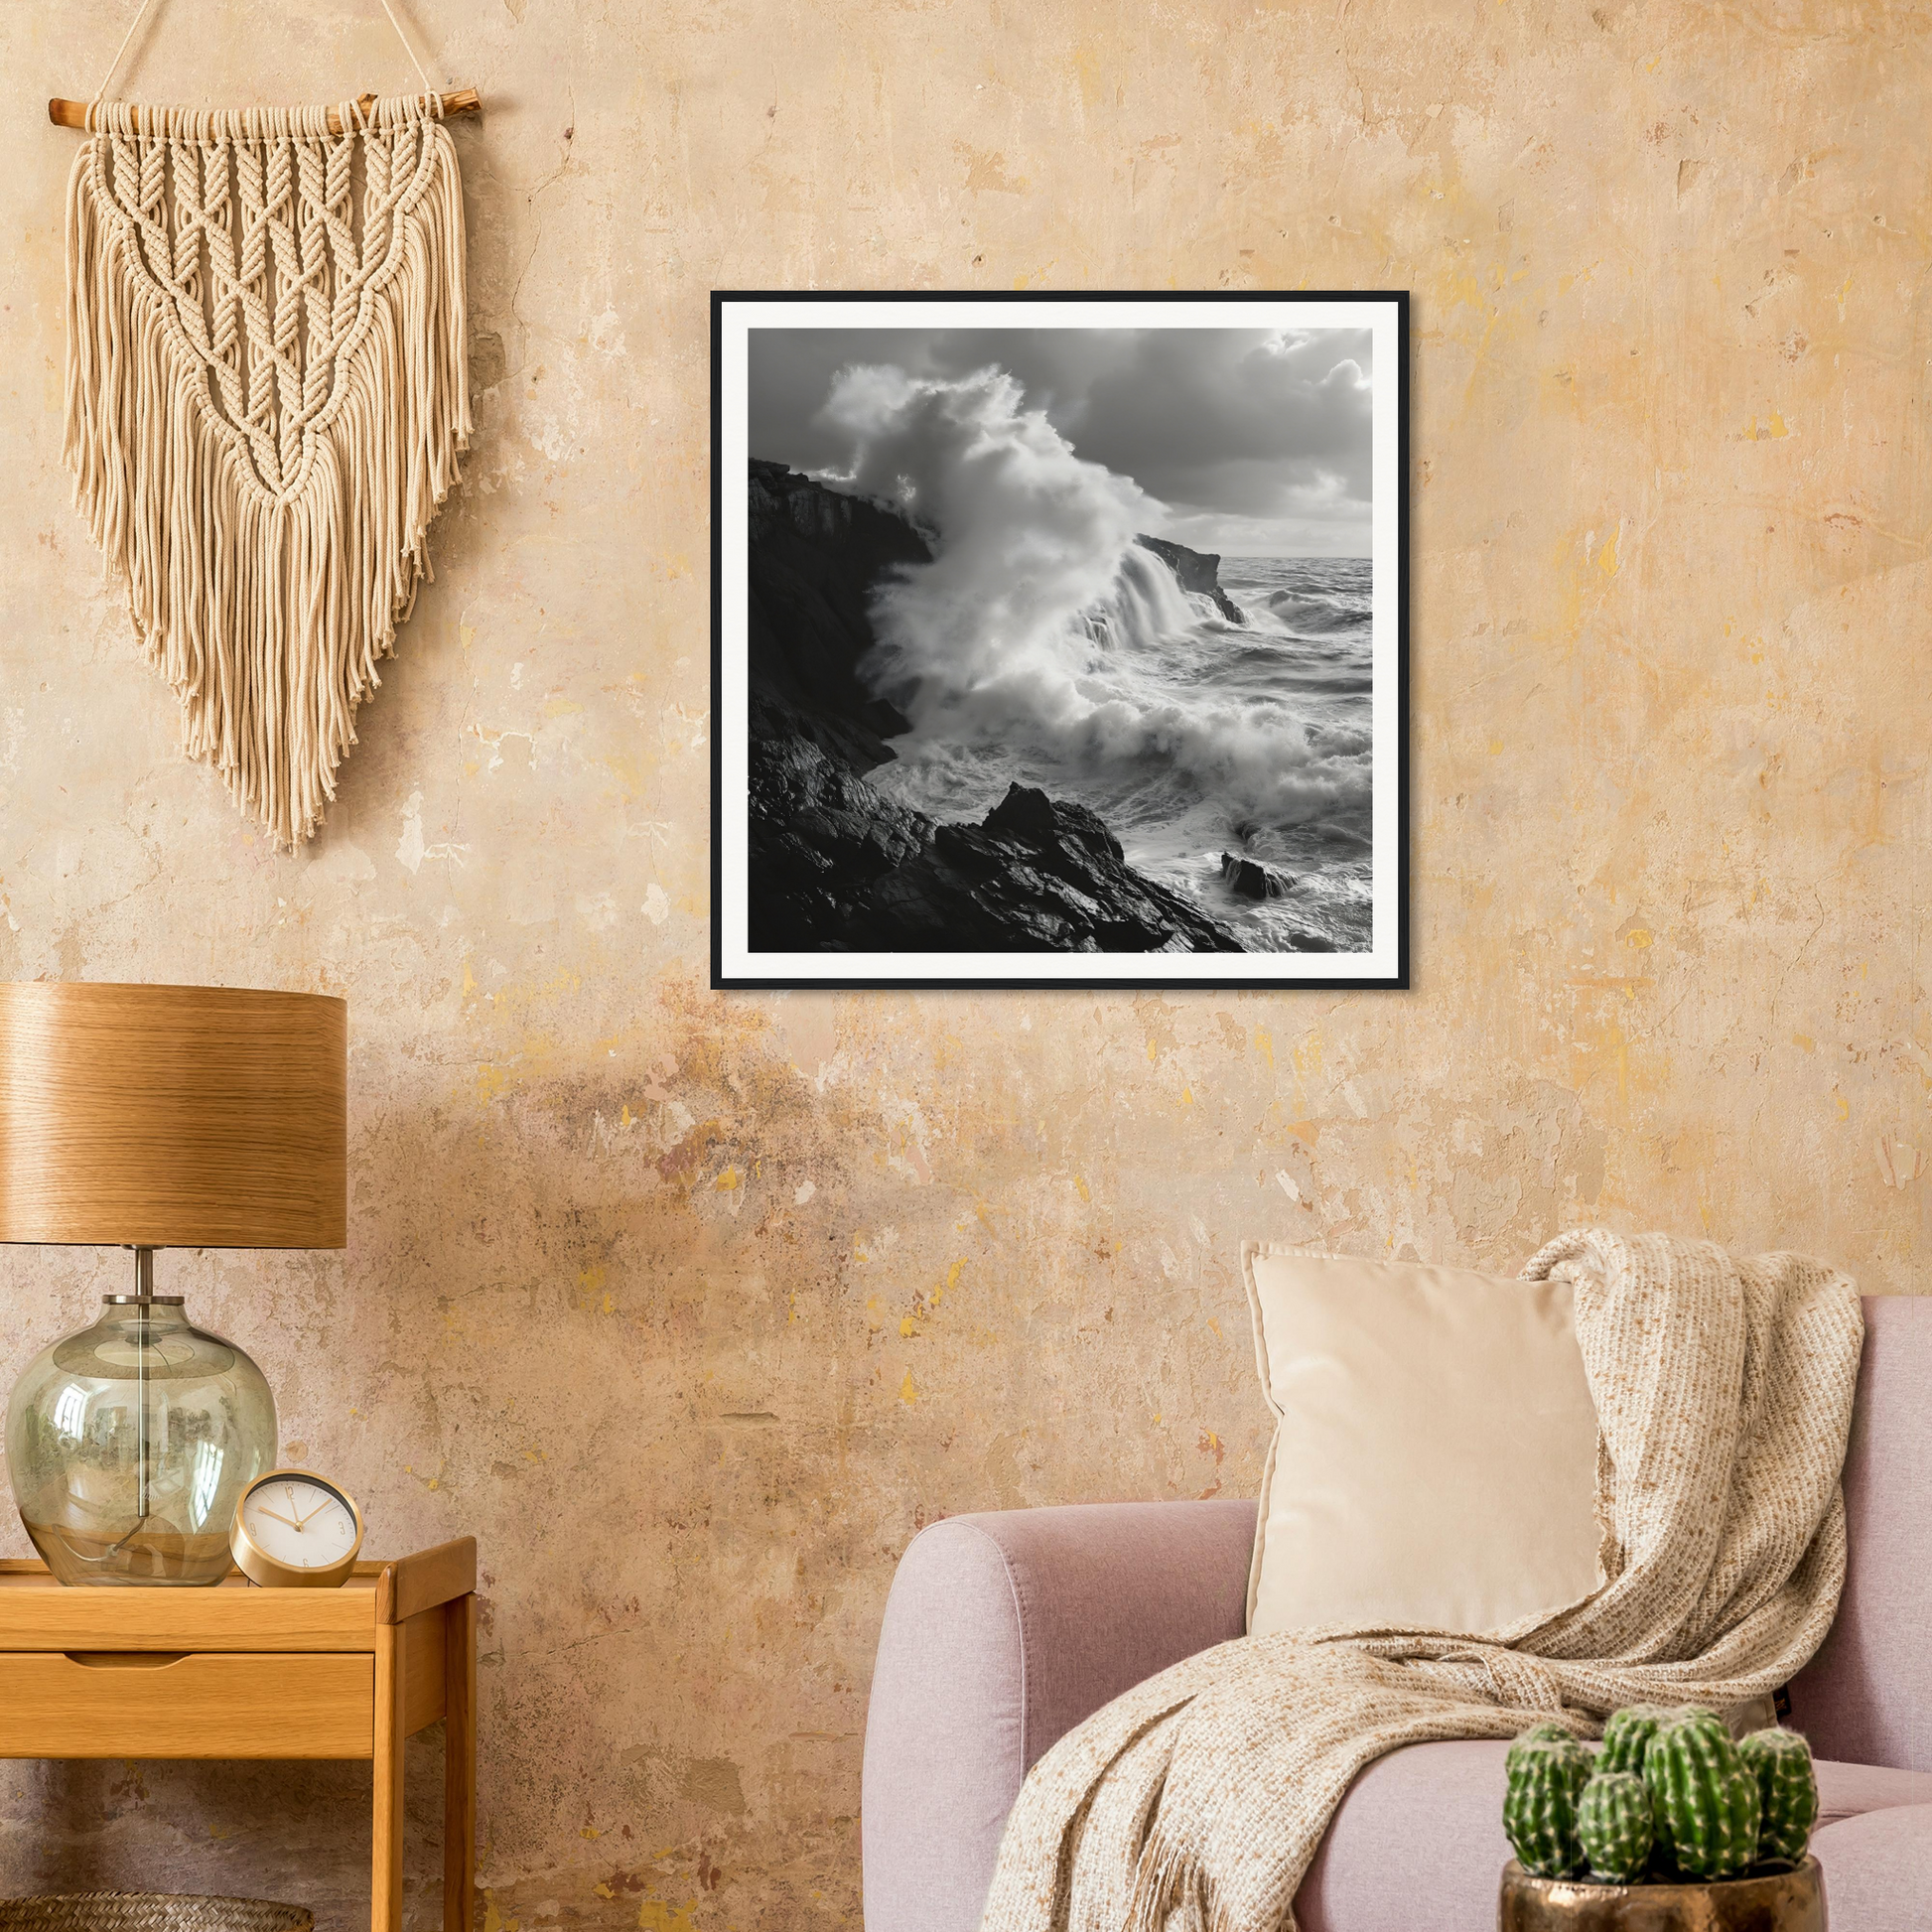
(1060, 641)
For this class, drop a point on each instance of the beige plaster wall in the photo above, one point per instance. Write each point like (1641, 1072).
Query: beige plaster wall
(693, 1307)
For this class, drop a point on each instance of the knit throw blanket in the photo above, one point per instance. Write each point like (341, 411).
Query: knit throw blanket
(1723, 1388)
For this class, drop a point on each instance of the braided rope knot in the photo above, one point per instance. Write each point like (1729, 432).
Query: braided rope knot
(266, 199)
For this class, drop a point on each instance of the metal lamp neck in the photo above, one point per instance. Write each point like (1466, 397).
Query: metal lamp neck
(144, 1283)
(144, 1299)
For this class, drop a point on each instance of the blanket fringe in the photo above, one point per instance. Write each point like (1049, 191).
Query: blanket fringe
(267, 611)
(1172, 1891)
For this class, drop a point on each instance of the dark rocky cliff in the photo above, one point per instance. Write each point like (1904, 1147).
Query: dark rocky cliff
(1198, 570)
(815, 557)
(835, 864)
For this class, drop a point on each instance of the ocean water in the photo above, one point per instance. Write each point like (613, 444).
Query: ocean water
(1188, 735)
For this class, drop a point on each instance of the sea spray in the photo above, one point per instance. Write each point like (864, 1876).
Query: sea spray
(1028, 537)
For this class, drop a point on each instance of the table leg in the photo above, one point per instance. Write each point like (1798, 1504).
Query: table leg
(459, 1763)
(386, 1864)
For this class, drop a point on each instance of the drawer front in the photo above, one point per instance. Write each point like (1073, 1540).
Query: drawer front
(201, 1704)
(36, 1614)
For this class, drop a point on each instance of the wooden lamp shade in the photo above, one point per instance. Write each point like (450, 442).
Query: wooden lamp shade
(172, 1116)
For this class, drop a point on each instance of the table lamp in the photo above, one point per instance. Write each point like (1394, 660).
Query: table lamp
(154, 1116)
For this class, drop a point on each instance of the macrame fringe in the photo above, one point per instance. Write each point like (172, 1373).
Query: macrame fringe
(267, 612)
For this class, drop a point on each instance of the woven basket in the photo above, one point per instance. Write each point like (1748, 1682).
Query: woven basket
(150, 1911)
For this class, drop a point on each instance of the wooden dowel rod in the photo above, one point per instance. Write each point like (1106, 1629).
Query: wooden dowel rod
(456, 100)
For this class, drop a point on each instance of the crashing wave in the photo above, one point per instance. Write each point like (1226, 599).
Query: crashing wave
(1147, 606)
(1042, 640)
(1310, 611)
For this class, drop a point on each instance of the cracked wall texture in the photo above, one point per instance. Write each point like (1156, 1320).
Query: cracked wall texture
(693, 1309)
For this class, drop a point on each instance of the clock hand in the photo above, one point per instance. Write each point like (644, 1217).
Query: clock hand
(279, 1517)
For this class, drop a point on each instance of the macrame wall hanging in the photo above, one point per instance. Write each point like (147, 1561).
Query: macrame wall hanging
(266, 392)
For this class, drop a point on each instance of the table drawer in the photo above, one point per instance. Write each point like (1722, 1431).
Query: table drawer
(206, 1704)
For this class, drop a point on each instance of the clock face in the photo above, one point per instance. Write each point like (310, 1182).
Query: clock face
(299, 1522)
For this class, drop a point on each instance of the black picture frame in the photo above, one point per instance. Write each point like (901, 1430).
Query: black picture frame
(736, 968)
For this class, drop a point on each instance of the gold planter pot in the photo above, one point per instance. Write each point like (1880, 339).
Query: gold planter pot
(1776, 1901)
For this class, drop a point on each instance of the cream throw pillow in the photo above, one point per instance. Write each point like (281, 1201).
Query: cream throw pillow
(1435, 1458)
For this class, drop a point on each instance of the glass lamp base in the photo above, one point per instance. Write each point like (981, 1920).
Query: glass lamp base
(130, 1443)
(79, 1555)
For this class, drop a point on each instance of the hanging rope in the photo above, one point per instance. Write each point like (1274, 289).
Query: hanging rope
(267, 390)
(141, 13)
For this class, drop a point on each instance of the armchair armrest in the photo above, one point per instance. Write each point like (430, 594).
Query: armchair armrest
(1002, 1632)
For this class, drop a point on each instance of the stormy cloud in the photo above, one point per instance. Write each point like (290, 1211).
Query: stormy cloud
(1250, 442)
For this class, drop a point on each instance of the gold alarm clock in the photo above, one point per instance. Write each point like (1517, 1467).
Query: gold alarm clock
(296, 1530)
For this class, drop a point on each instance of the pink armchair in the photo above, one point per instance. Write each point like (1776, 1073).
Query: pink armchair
(1004, 1630)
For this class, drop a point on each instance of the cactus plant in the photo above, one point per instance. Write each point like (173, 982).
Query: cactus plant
(1629, 1734)
(1787, 1791)
(1614, 1826)
(1543, 1733)
(1668, 1796)
(1705, 1802)
(1546, 1776)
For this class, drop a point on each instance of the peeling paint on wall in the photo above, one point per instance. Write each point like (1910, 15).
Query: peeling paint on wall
(694, 1309)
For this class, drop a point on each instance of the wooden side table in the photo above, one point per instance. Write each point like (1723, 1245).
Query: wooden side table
(240, 1671)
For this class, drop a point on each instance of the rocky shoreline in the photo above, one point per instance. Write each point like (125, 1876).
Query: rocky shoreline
(834, 864)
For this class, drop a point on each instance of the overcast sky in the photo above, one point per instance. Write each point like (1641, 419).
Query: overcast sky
(1257, 442)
